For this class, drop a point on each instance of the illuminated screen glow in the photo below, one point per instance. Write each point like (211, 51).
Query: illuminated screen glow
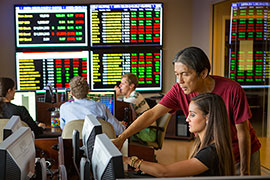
(51, 26)
(107, 68)
(126, 25)
(249, 62)
(35, 70)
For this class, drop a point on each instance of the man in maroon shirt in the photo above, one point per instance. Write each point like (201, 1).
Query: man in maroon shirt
(192, 69)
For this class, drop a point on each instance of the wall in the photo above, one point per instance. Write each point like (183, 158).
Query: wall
(186, 23)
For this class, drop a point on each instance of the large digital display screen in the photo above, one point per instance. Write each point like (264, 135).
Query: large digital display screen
(126, 25)
(107, 68)
(51, 26)
(249, 54)
(36, 70)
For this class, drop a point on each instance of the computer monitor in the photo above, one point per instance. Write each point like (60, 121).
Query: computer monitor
(107, 160)
(28, 100)
(51, 26)
(132, 24)
(106, 97)
(37, 70)
(107, 66)
(91, 128)
(17, 154)
(12, 125)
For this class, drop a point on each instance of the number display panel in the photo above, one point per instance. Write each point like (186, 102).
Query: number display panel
(51, 26)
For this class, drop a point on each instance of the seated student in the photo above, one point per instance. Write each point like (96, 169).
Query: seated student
(212, 154)
(81, 106)
(7, 109)
(126, 89)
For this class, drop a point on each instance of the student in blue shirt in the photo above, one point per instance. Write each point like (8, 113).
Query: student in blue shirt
(81, 106)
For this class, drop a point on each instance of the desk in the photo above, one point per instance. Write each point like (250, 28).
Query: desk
(45, 149)
(143, 152)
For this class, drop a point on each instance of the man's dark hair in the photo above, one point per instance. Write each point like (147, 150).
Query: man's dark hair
(193, 58)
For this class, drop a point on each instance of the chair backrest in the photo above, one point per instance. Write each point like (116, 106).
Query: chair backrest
(107, 128)
(70, 126)
(3, 123)
(162, 123)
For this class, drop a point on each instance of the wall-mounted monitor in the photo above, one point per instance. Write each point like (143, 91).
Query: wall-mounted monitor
(110, 166)
(108, 66)
(35, 70)
(249, 53)
(51, 26)
(126, 24)
(28, 100)
(17, 154)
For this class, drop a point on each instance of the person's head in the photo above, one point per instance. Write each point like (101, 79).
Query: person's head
(78, 87)
(7, 89)
(191, 66)
(128, 83)
(208, 116)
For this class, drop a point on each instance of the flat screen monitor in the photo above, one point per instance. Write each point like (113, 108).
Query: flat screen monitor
(108, 66)
(91, 128)
(106, 97)
(28, 100)
(126, 24)
(248, 45)
(36, 70)
(51, 26)
(107, 160)
(12, 125)
(17, 154)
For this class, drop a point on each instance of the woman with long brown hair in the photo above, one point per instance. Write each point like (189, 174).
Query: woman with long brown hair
(212, 154)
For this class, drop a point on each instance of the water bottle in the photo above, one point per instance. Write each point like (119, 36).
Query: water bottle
(55, 121)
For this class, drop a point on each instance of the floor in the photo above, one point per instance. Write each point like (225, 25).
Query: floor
(177, 150)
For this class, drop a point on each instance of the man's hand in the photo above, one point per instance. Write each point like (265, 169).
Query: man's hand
(117, 90)
(118, 142)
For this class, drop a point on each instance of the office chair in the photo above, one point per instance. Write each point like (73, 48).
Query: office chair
(3, 123)
(161, 128)
(107, 128)
(70, 126)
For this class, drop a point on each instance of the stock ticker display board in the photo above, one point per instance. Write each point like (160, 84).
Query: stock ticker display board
(249, 62)
(107, 68)
(51, 26)
(96, 41)
(37, 70)
(126, 25)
